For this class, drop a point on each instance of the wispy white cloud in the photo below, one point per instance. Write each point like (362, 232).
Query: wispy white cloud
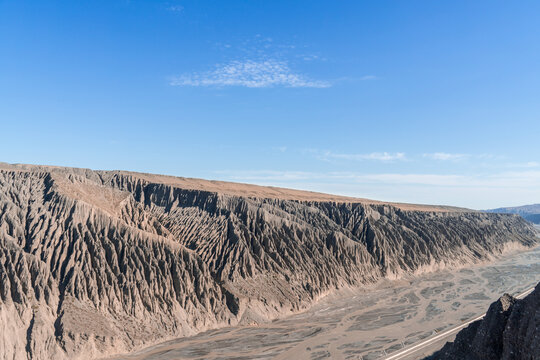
(375, 156)
(516, 179)
(175, 8)
(480, 191)
(446, 156)
(310, 57)
(251, 74)
(520, 179)
(267, 175)
(345, 177)
(529, 164)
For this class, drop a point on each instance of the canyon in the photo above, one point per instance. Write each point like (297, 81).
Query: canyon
(97, 263)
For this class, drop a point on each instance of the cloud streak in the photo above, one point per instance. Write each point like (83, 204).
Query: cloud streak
(446, 156)
(251, 74)
(175, 8)
(525, 179)
(480, 191)
(374, 156)
(529, 164)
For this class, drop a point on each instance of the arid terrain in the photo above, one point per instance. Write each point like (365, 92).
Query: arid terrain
(366, 323)
(509, 330)
(98, 263)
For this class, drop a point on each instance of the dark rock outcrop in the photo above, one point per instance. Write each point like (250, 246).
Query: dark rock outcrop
(509, 331)
(95, 262)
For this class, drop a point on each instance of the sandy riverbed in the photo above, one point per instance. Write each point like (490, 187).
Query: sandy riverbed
(364, 323)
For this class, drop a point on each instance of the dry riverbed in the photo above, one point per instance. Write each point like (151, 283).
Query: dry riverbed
(364, 323)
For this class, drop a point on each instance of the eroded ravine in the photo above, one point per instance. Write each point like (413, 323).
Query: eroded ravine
(95, 263)
(365, 323)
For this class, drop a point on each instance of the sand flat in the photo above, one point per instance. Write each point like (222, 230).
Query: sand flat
(365, 323)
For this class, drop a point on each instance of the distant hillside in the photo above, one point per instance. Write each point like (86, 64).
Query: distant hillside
(534, 218)
(528, 212)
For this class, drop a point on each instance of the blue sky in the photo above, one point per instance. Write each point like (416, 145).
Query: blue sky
(414, 101)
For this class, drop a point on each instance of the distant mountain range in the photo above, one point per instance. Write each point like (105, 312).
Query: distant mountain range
(528, 212)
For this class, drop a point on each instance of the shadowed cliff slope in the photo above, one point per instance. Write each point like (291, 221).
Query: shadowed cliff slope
(97, 262)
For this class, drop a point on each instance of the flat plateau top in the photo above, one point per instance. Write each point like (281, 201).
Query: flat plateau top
(235, 189)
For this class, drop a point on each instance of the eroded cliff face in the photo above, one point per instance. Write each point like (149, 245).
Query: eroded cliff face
(509, 331)
(94, 263)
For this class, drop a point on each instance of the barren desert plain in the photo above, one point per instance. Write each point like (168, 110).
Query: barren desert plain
(369, 323)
